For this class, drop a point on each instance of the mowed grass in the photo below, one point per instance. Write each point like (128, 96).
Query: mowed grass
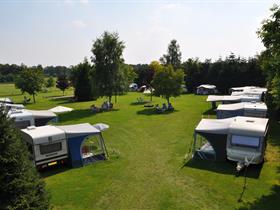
(146, 167)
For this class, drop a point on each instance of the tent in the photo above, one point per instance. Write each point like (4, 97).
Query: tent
(61, 109)
(76, 135)
(53, 144)
(24, 117)
(233, 138)
(249, 109)
(206, 89)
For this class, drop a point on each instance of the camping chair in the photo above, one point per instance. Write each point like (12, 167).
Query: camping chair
(170, 107)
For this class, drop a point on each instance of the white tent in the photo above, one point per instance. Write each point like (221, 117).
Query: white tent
(206, 89)
(61, 109)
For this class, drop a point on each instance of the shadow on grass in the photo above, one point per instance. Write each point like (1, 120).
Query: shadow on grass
(51, 171)
(152, 111)
(139, 103)
(226, 167)
(267, 202)
(209, 112)
(78, 114)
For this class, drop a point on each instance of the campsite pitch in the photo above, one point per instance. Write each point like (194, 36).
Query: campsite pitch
(146, 168)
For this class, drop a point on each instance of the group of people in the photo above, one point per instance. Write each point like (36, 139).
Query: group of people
(164, 108)
(106, 106)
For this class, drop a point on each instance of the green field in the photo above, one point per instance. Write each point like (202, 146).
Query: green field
(146, 166)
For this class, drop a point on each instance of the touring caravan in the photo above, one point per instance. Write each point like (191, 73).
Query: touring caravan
(52, 145)
(240, 139)
(248, 109)
(47, 144)
(24, 118)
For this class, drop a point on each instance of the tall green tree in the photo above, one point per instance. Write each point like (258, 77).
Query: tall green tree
(167, 82)
(82, 80)
(270, 58)
(62, 82)
(30, 80)
(21, 186)
(107, 58)
(125, 77)
(173, 56)
(50, 82)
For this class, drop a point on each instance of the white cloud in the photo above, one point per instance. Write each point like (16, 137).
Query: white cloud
(79, 24)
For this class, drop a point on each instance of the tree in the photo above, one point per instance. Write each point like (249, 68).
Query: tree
(125, 77)
(21, 187)
(30, 80)
(50, 82)
(270, 58)
(167, 82)
(62, 82)
(82, 80)
(173, 56)
(107, 57)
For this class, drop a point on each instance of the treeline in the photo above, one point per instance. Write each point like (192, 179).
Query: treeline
(9, 72)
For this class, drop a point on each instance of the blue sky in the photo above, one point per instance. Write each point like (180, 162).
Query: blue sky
(50, 32)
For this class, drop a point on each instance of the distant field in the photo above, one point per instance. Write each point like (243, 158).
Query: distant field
(145, 170)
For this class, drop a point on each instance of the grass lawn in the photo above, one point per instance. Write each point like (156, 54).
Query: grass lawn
(146, 166)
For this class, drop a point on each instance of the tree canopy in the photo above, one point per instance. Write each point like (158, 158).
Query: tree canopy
(62, 82)
(83, 81)
(30, 80)
(167, 82)
(21, 187)
(107, 58)
(173, 56)
(270, 58)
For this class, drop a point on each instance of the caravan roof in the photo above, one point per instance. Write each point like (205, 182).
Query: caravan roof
(42, 113)
(243, 105)
(236, 125)
(232, 98)
(41, 134)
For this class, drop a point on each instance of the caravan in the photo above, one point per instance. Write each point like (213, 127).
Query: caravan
(52, 145)
(240, 139)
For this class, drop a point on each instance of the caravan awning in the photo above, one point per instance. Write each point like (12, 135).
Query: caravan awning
(79, 129)
(39, 114)
(214, 126)
(61, 109)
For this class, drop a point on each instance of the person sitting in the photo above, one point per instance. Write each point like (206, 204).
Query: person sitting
(158, 109)
(94, 108)
(104, 106)
(164, 107)
(170, 107)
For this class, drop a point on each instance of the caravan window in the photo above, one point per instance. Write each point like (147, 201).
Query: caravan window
(22, 124)
(49, 148)
(247, 141)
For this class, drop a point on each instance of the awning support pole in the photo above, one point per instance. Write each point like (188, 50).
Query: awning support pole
(103, 145)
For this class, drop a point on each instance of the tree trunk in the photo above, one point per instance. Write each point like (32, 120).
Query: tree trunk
(167, 98)
(110, 99)
(34, 98)
(63, 92)
(151, 99)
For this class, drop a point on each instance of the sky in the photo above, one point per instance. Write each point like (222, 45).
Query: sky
(61, 32)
